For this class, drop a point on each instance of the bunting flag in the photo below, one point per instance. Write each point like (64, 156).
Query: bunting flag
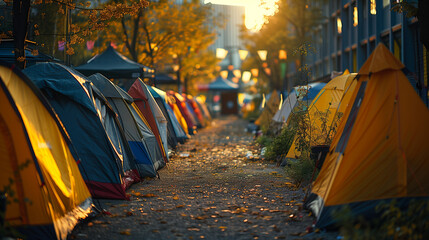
(90, 45)
(61, 45)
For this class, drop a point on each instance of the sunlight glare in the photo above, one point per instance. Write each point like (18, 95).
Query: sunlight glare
(256, 11)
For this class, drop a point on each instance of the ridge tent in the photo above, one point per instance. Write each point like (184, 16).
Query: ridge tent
(180, 133)
(116, 134)
(192, 114)
(204, 109)
(326, 105)
(151, 112)
(37, 163)
(288, 105)
(175, 115)
(73, 98)
(174, 135)
(139, 136)
(180, 119)
(171, 135)
(181, 104)
(196, 108)
(380, 152)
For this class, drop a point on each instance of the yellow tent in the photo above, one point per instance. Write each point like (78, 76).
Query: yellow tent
(47, 194)
(172, 102)
(329, 105)
(271, 107)
(380, 151)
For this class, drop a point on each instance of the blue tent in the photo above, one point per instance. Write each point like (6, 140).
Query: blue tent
(104, 157)
(313, 90)
(174, 135)
(139, 136)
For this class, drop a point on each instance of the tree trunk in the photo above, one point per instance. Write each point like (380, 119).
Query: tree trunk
(20, 24)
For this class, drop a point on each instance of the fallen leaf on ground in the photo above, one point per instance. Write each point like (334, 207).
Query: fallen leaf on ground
(126, 232)
(194, 229)
(149, 195)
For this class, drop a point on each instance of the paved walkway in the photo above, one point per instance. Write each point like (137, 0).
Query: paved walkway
(210, 190)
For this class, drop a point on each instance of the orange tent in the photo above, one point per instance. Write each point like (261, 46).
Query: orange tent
(380, 151)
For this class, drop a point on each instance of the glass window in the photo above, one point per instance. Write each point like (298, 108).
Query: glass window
(355, 16)
(339, 25)
(354, 63)
(397, 44)
(386, 3)
(373, 7)
(372, 46)
(386, 41)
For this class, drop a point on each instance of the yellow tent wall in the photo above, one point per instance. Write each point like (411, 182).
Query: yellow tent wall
(172, 102)
(331, 98)
(34, 154)
(380, 151)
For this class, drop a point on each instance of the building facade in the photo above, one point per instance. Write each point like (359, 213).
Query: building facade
(353, 28)
(228, 35)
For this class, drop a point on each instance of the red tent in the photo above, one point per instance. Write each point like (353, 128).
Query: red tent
(181, 103)
(141, 100)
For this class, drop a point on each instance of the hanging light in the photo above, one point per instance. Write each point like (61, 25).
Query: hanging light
(246, 76)
(237, 73)
(243, 54)
(262, 54)
(282, 54)
(224, 74)
(339, 25)
(221, 53)
(255, 72)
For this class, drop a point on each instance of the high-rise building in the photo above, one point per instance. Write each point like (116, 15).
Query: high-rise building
(228, 35)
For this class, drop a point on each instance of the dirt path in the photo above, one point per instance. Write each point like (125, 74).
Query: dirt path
(214, 193)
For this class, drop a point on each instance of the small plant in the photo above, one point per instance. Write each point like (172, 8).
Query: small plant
(7, 197)
(280, 144)
(301, 170)
(264, 140)
(390, 221)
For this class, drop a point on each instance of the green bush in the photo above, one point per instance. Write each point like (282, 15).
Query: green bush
(264, 140)
(301, 170)
(280, 144)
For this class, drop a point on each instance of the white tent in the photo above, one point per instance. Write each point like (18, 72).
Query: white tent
(283, 113)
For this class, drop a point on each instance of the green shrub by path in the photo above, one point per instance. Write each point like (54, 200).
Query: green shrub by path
(264, 140)
(390, 222)
(280, 144)
(301, 170)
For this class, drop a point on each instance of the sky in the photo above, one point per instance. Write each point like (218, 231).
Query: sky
(255, 10)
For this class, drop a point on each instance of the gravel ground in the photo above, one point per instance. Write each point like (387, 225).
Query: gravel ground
(209, 190)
